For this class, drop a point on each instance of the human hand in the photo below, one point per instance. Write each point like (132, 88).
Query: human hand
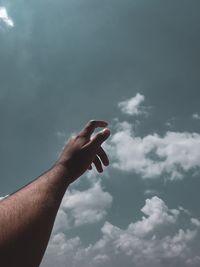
(81, 151)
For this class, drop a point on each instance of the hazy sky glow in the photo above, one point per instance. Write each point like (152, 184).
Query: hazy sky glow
(136, 65)
(4, 18)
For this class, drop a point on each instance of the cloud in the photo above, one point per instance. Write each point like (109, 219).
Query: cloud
(153, 155)
(157, 214)
(147, 242)
(83, 207)
(150, 192)
(4, 18)
(132, 106)
(171, 122)
(195, 222)
(196, 116)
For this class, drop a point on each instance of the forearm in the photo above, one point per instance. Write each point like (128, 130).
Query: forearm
(28, 215)
(27, 218)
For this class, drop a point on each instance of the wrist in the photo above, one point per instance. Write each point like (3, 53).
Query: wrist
(63, 171)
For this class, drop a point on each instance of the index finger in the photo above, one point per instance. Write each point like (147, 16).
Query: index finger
(88, 130)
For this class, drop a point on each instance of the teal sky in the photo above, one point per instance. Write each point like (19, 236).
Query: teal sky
(63, 63)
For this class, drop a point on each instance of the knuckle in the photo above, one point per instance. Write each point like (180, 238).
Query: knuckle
(89, 126)
(78, 136)
(99, 136)
(101, 153)
(92, 123)
(72, 139)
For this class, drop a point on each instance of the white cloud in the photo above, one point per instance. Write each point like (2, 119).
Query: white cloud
(62, 221)
(195, 262)
(195, 222)
(132, 106)
(150, 192)
(83, 207)
(155, 241)
(157, 214)
(4, 18)
(173, 154)
(184, 210)
(196, 116)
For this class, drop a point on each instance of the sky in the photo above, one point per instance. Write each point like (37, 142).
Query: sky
(135, 64)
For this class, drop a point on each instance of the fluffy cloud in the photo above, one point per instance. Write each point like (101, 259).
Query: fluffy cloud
(196, 116)
(83, 207)
(157, 214)
(142, 243)
(4, 18)
(133, 106)
(173, 154)
(150, 192)
(195, 222)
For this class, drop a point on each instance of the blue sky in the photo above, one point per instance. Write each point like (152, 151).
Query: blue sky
(135, 64)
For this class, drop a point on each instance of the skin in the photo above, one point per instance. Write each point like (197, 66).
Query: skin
(27, 216)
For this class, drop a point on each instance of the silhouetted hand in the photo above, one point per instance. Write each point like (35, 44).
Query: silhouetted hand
(81, 151)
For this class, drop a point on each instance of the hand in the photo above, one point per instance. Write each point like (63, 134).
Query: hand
(81, 151)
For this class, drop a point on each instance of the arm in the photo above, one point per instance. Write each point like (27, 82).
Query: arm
(27, 216)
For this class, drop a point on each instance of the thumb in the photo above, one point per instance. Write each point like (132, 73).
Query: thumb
(98, 139)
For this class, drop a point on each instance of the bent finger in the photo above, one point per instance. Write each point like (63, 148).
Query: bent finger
(94, 144)
(103, 156)
(88, 130)
(98, 164)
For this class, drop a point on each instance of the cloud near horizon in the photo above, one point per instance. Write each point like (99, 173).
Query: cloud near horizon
(156, 240)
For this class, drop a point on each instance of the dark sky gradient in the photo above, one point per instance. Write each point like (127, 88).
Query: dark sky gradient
(66, 62)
